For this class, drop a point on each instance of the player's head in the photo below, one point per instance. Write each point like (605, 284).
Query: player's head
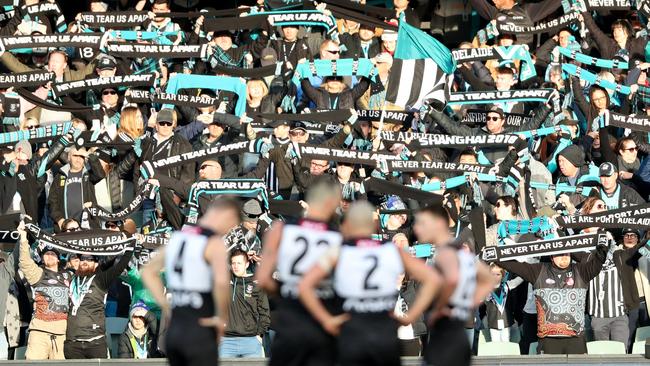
(359, 221)
(431, 224)
(222, 214)
(323, 198)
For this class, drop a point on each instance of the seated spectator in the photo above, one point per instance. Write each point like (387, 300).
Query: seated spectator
(139, 339)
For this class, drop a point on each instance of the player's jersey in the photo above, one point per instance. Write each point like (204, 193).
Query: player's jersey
(461, 301)
(302, 245)
(189, 276)
(366, 276)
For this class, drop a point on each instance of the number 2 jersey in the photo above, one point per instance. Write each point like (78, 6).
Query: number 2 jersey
(189, 275)
(302, 245)
(366, 276)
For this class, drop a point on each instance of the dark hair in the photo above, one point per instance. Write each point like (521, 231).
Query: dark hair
(623, 23)
(66, 222)
(237, 252)
(505, 70)
(511, 202)
(436, 210)
(166, 2)
(621, 143)
(592, 89)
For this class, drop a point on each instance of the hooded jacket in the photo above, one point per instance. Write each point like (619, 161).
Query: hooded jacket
(57, 200)
(248, 311)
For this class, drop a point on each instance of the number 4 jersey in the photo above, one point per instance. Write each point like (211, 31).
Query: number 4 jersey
(189, 276)
(302, 245)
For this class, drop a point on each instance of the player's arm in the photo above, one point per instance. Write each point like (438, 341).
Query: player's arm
(485, 283)
(308, 297)
(270, 244)
(430, 282)
(151, 279)
(447, 265)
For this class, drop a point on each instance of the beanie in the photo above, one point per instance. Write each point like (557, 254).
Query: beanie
(574, 155)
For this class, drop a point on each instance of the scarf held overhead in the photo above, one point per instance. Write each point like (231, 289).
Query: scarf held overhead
(564, 245)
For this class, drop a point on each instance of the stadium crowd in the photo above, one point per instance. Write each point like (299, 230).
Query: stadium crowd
(535, 129)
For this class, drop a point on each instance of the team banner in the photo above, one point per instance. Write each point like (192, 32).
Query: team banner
(277, 18)
(393, 117)
(490, 97)
(635, 217)
(51, 40)
(317, 128)
(501, 53)
(595, 79)
(119, 81)
(8, 225)
(633, 123)
(345, 156)
(25, 79)
(552, 26)
(95, 242)
(593, 61)
(157, 50)
(410, 166)
(148, 167)
(328, 116)
(148, 191)
(252, 188)
(196, 101)
(541, 248)
(47, 132)
(113, 19)
(476, 116)
(418, 140)
(340, 67)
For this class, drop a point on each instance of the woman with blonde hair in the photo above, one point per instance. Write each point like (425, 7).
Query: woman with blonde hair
(131, 122)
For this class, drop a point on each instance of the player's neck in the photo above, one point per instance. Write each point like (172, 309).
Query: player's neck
(317, 214)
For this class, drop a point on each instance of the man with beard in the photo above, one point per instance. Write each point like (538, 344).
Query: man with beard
(85, 336)
(50, 288)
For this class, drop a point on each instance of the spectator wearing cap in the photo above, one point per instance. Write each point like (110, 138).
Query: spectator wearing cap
(26, 176)
(389, 40)
(139, 340)
(249, 316)
(163, 144)
(614, 194)
(392, 224)
(574, 170)
(85, 334)
(255, 223)
(73, 187)
(333, 93)
(50, 287)
(106, 67)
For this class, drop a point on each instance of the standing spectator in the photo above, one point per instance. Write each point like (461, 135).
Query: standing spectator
(50, 291)
(86, 333)
(139, 339)
(8, 270)
(614, 194)
(249, 312)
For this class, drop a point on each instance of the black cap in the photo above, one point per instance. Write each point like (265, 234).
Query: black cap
(298, 125)
(165, 115)
(52, 249)
(106, 63)
(497, 110)
(278, 122)
(607, 169)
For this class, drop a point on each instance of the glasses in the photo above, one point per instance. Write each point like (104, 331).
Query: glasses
(492, 118)
(74, 228)
(297, 133)
(79, 156)
(630, 235)
(165, 123)
(111, 225)
(86, 259)
(333, 52)
(501, 204)
(32, 127)
(600, 206)
(630, 149)
(205, 166)
(319, 165)
(109, 92)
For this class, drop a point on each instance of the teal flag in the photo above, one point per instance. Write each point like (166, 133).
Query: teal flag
(412, 43)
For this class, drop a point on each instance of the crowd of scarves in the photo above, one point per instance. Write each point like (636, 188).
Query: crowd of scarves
(393, 163)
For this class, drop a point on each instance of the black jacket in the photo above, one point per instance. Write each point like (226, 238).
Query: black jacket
(125, 348)
(248, 311)
(353, 48)
(609, 48)
(56, 199)
(324, 100)
(88, 320)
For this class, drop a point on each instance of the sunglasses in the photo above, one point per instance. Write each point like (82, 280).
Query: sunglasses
(333, 52)
(630, 235)
(600, 206)
(492, 118)
(297, 133)
(165, 123)
(109, 92)
(76, 228)
(111, 225)
(32, 127)
(631, 149)
(79, 156)
(86, 259)
(320, 165)
(205, 166)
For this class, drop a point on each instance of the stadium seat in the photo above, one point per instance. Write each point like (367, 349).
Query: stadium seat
(605, 348)
(481, 336)
(19, 353)
(642, 333)
(638, 348)
(498, 349)
(114, 328)
(532, 349)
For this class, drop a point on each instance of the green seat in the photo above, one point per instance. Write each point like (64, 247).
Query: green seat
(114, 328)
(532, 349)
(638, 348)
(498, 349)
(605, 348)
(642, 333)
(19, 353)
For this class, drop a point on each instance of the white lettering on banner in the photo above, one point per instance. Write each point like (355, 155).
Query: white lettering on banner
(496, 95)
(472, 53)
